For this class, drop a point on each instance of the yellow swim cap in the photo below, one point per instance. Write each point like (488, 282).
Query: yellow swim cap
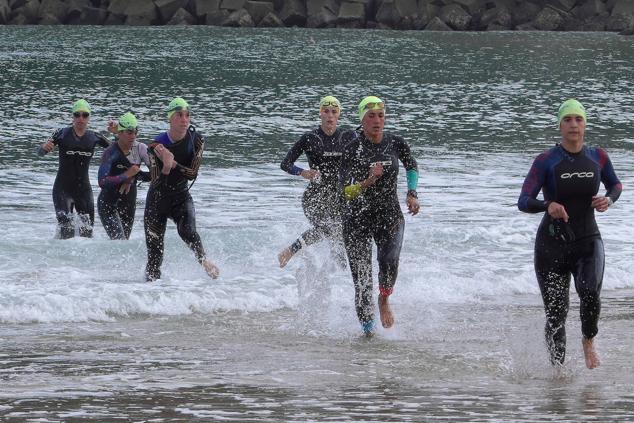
(370, 103)
(81, 106)
(329, 101)
(127, 121)
(176, 105)
(571, 107)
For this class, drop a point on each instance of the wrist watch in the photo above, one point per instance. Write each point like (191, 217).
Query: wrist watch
(412, 193)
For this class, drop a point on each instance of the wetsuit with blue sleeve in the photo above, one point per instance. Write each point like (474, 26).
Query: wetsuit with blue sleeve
(573, 248)
(168, 197)
(374, 214)
(116, 207)
(321, 200)
(72, 189)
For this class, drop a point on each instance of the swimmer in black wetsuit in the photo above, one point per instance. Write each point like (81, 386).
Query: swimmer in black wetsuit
(321, 201)
(371, 211)
(175, 158)
(118, 173)
(72, 189)
(568, 239)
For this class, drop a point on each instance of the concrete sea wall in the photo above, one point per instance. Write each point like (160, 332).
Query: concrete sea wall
(430, 15)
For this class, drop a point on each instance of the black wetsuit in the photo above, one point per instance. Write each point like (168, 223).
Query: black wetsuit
(168, 197)
(72, 189)
(374, 214)
(321, 200)
(576, 248)
(116, 209)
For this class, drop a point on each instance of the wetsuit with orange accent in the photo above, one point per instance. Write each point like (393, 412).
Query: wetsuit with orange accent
(573, 248)
(72, 189)
(116, 203)
(374, 215)
(321, 200)
(168, 197)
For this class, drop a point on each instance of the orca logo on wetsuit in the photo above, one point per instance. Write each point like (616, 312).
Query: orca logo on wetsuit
(331, 154)
(80, 153)
(580, 175)
(384, 163)
(120, 166)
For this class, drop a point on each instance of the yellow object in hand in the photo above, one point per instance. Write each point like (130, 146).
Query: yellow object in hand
(350, 192)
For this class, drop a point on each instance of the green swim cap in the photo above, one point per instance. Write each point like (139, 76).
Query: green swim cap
(127, 121)
(81, 106)
(571, 107)
(329, 101)
(176, 105)
(370, 103)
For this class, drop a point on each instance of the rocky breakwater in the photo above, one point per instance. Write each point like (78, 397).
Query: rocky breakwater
(433, 15)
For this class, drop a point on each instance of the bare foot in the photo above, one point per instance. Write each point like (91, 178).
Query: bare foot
(387, 317)
(592, 357)
(284, 256)
(211, 269)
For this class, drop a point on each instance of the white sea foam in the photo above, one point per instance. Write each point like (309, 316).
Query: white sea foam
(466, 244)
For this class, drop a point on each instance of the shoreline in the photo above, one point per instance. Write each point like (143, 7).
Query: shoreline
(424, 15)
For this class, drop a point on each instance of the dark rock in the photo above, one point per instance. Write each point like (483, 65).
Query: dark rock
(271, 20)
(386, 14)
(239, 18)
(548, 20)
(324, 18)
(182, 17)
(114, 19)
(49, 19)
(139, 20)
(56, 11)
(293, 13)
(377, 25)
(351, 15)
(609, 5)
(524, 12)
(232, 4)
(278, 5)
(14, 4)
(528, 26)
(406, 8)
(500, 16)
(401, 14)
(589, 9)
(314, 7)
(27, 14)
(118, 7)
(5, 11)
(436, 24)
(217, 17)
(622, 16)
(497, 27)
(565, 5)
(455, 16)
(472, 6)
(572, 23)
(426, 11)
(597, 23)
(75, 6)
(19, 19)
(202, 7)
(259, 9)
(628, 31)
(89, 16)
(167, 8)
(142, 13)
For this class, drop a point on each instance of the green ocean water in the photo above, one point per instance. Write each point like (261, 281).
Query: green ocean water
(85, 338)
